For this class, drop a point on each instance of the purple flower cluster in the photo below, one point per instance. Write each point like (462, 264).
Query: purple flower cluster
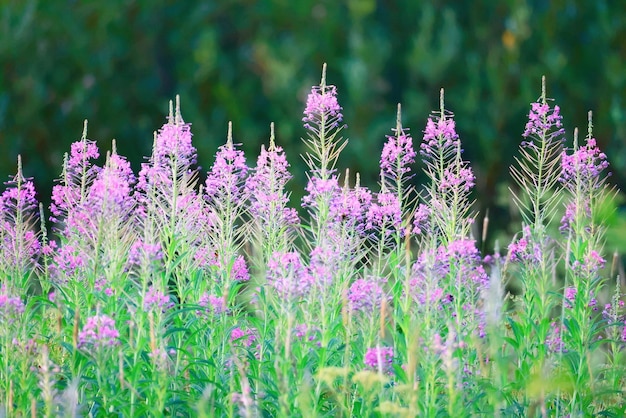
(142, 252)
(266, 187)
(466, 263)
(457, 178)
(365, 296)
(312, 334)
(385, 212)
(20, 198)
(542, 119)
(322, 108)
(287, 275)
(421, 219)
(397, 156)
(99, 331)
(10, 307)
(590, 264)
(350, 207)
(68, 262)
(586, 163)
(554, 342)
(156, 300)
(525, 249)
(243, 336)
(173, 157)
(226, 180)
(213, 304)
(20, 245)
(570, 296)
(379, 358)
(239, 271)
(440, 134)
(173, 143)
(318, 188)
(100, 285)
(323, 262)
(78, 173)
(459, 258)
(110, 193)
(569, 217)
(81, 152)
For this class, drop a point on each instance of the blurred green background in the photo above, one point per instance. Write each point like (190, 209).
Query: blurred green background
(117, 63)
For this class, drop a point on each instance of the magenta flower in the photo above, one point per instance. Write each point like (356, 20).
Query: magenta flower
(320, 189)
(460, 260)
(287, 275)
(398, 154)
(570, 296)
(365, 296)
(20, 198)
(173, 142)
(586, 163)
(213, 304)
(141, 252)
(266, 188)
(110, 194)
(569, 217)
(379, 358)
(79, 172)
(591, 263)
(20, 245)
(227, 176)
(80, 153)
(68, 262)
(542, 119)
(156, 300)
(385, 212)
(10, 307)
(421, 219)
(351, 205)
(300, 330)
(206, 258)
(457, 178)
(98, 332)
(172, 154)
(525, 249)
(440, 135)
(610, 312)
(239, 271)
(554, 342)
(242, 336)
(100, 285)
(322, 108)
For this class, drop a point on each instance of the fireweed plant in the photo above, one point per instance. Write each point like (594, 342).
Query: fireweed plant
(151, 294)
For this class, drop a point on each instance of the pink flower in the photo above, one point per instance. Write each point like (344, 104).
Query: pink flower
(379, 358)
(322, 107)
(99, 331)
(214, 304)
(243, 336)
(226, 180)
(239, 271)
(542, 119)
(287, 275)
(365, 296)
(398, 154)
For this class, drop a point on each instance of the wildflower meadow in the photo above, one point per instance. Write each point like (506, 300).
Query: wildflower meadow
(156, 293)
